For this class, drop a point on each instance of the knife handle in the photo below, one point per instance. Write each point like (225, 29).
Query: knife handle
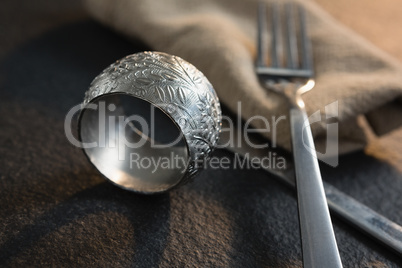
(366, 219)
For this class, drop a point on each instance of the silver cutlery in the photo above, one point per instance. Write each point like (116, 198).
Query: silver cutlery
(292, 79)
(344, 206)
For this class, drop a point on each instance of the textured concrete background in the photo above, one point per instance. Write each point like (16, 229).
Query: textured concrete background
(56, 210)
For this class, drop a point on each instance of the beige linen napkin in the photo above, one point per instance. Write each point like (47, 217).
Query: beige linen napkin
(218, 37)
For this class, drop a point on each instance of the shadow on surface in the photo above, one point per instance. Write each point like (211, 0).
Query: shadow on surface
(56, 68)
(150, 235)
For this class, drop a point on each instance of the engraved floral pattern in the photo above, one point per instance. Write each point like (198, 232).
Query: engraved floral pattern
(176, 87)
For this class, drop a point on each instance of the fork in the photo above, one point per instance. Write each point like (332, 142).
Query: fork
(292, 79)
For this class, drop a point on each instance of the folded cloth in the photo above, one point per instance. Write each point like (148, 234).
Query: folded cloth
(218, 37)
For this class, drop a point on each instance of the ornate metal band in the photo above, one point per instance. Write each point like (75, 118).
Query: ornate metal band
(176, 87)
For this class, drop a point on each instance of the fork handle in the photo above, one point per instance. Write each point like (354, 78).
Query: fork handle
(317, 235)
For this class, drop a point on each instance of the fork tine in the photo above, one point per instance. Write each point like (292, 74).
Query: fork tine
(275, 30)
(262, 29)
(291, 39)
(307, 62)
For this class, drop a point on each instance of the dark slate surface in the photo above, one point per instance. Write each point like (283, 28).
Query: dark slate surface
(56, 210)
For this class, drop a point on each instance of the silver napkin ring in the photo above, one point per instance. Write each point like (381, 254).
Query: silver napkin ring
(149, 122)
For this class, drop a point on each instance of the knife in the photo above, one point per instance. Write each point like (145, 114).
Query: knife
(340, 204)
